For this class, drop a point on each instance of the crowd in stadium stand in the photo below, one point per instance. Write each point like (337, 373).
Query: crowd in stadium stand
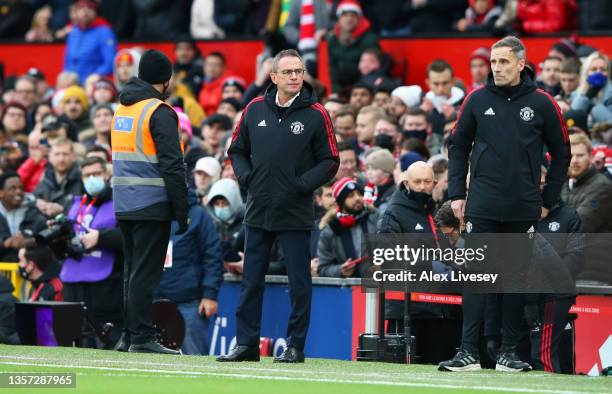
(50, 134)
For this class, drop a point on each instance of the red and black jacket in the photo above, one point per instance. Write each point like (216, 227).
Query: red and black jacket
(281, 158)
(49, 287)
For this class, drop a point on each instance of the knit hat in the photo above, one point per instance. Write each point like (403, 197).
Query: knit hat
(77, 92)
(342, 188)
(482, 53)
(124, 56)
(349, 6)
(410, 95)
(381, 159)
(566, 46)
(154, 67)
(576, 118)
(105, 84)
(408, 158)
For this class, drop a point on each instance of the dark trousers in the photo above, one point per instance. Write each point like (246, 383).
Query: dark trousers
(474, 306)
(546, 340)
(296, 251)
(144, 246)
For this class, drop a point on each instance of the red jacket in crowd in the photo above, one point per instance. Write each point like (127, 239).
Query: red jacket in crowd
(210, 94)
(547, 16)
(31, 172)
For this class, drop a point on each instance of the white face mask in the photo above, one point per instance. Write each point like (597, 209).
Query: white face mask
(94, 185)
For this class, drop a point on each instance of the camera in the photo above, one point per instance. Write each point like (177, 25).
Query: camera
(62, 240)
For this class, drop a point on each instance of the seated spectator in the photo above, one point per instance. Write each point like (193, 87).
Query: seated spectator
(549, 77)
(569, 78)
(366, 122)
(102, 153)
(202, 25)
(66, 79)
(96, 277)
(564, 49)
(342, 232)
(351, 36)
(417, 146)
(587, 190)
(104, 92)
(345, 122)
(547, 16)
(348, 162)
(382, 96)
(387, 134)
(40, 30)
(479, 17)
(213, 129)
(448, 224)
(76, 106)
(61, 181)
(416, 125)
(206, 172)
(43, 90)
(229, 107)
(215, 73)
(18, 216)
(371, 67)
(333, 105)
(91, 44)
(226, 208)
(26, 92)
(14, 121)
(32, 170)
(403, 98)
(440, 190)
(187, 66)
(432, 16)
(379, 173)
(41, 109)
(480, 66)
(125, 66)
(233, 87)
(443, 99)
(101, 118)
(192, 276)
(594, 94)
(41, 270)
(361, 96)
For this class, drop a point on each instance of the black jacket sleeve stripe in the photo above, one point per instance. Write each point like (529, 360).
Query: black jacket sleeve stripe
(237, 128)
(558, 112)
(331, 139)
(465, 100)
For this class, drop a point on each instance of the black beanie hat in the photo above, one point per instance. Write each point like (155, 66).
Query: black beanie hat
(154, 67)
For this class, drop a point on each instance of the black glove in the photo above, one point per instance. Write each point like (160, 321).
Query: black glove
(532, 315)
(183, 226)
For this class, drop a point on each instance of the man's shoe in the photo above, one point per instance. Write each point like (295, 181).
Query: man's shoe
(509, 362)
(123, 344)
(241, 353)
(152, 347)
(462, 362)
(290, 355)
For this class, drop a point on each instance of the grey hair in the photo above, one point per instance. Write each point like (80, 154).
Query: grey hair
(515, 45)
(282, 54)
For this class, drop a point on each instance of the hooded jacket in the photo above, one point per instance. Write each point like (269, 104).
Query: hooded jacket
(502, 132)
(163, 126)
(282, 160)
(228, 230)
(197, 259)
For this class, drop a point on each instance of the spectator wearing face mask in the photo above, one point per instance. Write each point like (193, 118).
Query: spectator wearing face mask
(594, 94)
(38, 266)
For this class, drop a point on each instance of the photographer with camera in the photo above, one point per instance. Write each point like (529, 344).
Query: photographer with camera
(18, 214)
(93, 246)
(38, 266)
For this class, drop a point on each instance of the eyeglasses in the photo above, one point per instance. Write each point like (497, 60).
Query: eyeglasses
(287, 73)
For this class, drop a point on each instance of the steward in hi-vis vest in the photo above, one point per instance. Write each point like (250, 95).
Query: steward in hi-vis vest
(149, 191)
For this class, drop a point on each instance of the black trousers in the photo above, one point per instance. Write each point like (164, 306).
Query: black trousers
(144, 247)
(296, 251)
(546, 340)
(475, 307)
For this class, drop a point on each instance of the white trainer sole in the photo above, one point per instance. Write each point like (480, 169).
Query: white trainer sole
(503, 368)
(467, 368)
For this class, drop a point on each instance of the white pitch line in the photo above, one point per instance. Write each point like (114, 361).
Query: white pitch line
(226, 366)
(304, 379)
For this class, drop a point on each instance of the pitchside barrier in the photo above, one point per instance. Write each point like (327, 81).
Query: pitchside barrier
(341, 311)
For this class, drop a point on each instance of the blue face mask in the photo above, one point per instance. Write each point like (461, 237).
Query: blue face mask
(223, 213)
(94, 185)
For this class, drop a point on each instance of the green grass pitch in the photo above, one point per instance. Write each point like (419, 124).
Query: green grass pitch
(112, 372)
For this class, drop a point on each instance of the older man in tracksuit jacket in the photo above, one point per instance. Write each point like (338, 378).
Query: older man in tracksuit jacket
(501, 131)
(281, 153)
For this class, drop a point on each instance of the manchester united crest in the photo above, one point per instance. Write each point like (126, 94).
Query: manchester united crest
(297, 127)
